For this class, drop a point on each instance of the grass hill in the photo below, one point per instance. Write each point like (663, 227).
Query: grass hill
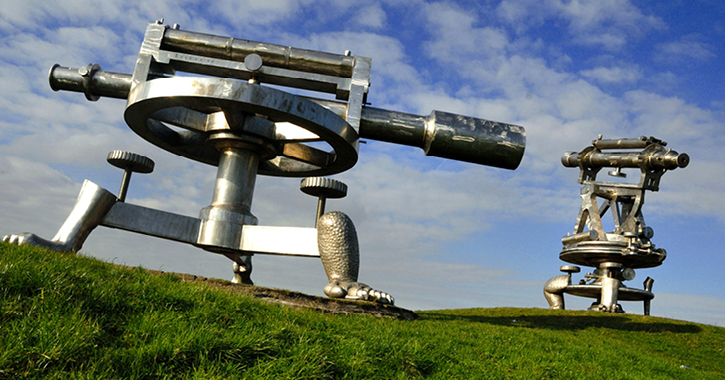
(69, 316)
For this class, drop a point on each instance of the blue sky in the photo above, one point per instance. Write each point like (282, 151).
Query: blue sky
(434, 233)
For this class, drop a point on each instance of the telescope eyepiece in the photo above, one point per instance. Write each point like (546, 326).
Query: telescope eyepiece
(683, 160)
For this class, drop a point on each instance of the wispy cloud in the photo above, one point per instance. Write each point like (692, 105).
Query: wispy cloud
(613, 74)
(371, 16)
(608, 24)
(687, 49)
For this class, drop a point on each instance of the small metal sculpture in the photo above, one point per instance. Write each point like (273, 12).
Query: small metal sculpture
(615, 254)
(224, 116)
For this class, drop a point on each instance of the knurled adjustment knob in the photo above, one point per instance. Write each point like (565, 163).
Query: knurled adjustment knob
(130, 163)
(570, 269)
(323, 188)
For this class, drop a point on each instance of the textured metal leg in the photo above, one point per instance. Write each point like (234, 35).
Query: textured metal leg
(242, 268)
(340, 254)
(91, 207)
(554, 291)
(648, 282)
(610, 293)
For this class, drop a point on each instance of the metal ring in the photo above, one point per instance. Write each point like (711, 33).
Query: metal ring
(187, 102)
(591, 254)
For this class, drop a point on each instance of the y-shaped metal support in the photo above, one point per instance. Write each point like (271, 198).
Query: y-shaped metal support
(340, 254)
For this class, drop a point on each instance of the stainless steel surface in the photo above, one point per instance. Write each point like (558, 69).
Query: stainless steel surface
(101, 83)
(289, 241)
(234, 49)
(554, 291)
(129, 162)
(609, 296)
(225, 114)
(230, 209)
(242, 268)
(592, 253)
(439, 134)
(157, 223)
(447, 135)
(191, 103)
(614, 254)
(338, 244)
(623, 293)
(569, 269)
(323, 188)
(658, 159)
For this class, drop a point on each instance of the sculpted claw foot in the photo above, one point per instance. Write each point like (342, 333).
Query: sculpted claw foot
(26, 238)
(340, 254)
(357, 291)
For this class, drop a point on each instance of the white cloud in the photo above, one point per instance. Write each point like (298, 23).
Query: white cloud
(33, 197)
(372, 16)
(457, 37)
(673, 119)
(689, 48)
(255, 12)
(613, 74)
(609, 24)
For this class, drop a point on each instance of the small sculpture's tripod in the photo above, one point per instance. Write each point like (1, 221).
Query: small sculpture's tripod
(615, 254)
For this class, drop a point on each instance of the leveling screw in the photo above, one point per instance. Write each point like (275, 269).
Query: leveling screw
(129, 162)
(323, 188)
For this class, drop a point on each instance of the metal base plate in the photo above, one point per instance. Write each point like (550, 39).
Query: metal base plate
(595, 291)
(593, 253)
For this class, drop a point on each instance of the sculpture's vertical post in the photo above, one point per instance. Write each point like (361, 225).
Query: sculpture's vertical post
(230, 209)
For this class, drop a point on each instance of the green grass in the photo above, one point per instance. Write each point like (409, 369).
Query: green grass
(69, 316)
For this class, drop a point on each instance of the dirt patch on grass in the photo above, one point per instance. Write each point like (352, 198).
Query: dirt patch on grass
(303, 301)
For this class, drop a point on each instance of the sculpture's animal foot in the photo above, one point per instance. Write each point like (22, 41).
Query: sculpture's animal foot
(357, 291)
(26, 238)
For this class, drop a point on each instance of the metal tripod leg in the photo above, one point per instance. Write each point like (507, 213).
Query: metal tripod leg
(91, 207)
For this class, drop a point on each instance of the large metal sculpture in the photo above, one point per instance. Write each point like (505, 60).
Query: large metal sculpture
(615, 254)
(224, 115)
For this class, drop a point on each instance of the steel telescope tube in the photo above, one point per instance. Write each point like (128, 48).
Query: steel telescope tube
(660, 159)
(440, 134)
